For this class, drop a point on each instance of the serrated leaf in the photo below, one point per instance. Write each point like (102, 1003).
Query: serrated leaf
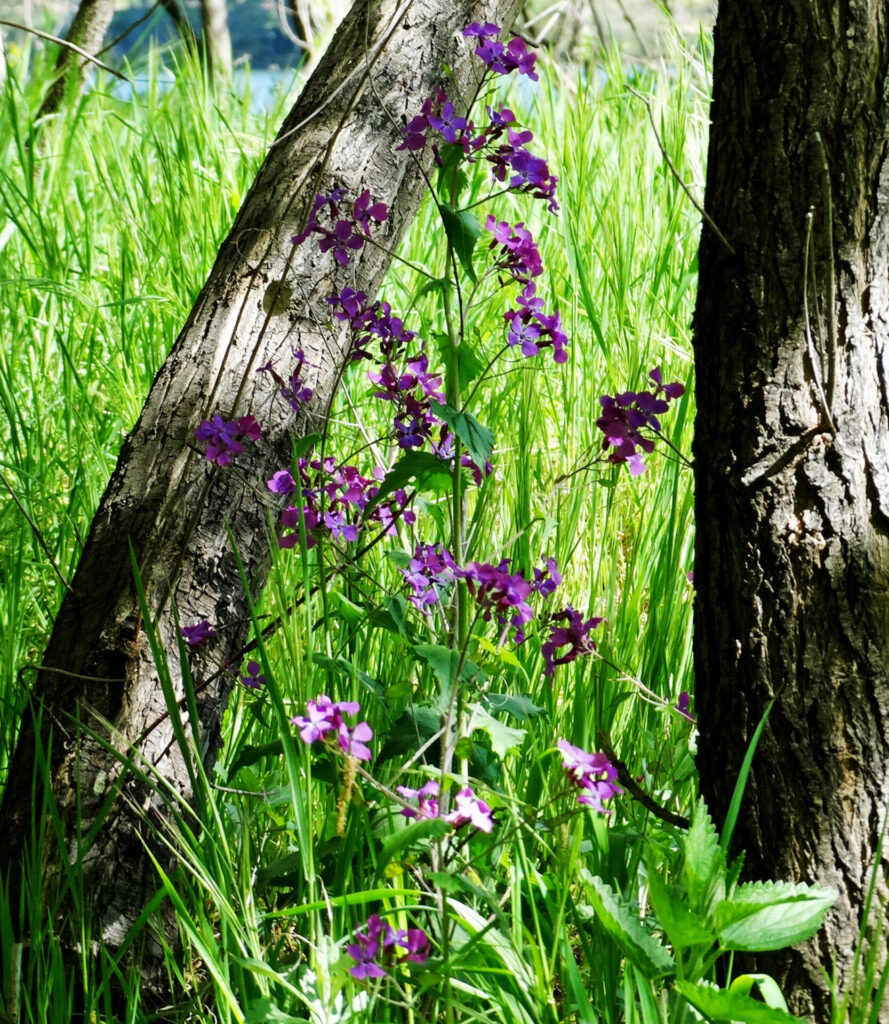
(519, 705)
(704, 868)
(684, 929)
(719, 1004)
(427, 471)
(411, 835)
(622, 924)
(762, 916)
(503, 737)
(477, 440)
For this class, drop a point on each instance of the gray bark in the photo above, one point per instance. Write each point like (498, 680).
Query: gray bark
(216, 39)
(792, 455)
(87, 31)
(167, 502)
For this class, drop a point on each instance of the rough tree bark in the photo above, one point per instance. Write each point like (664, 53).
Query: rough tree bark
(88, 32)
(167, 501)
(792, 453)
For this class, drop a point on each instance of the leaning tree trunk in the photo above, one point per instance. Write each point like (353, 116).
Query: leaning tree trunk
(88, 32)
(172, 507)
(792, 453)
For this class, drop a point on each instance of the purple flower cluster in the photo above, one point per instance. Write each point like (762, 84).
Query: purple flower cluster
(333, 500)
(468, 808)
(532, 329)
(324, 721)
(496, 590)
(625, 415)
(197, 636)
(223, 437)
(348, 225)
(575, 636)
(519, 254)
(379, 946)
(592, 773)
(502, 60)
(512, 162)
(293, 390)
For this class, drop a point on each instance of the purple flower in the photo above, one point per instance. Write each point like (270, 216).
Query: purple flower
(624, 416)
(574, 636)
(224, 437)
(470, 810)
(282, 482)
(477, 31)
(346, 229)
(199, 635)
(379, 944)
(426, 797)
(683, 705)
(594, 774)
(253, 680)
(324, 721)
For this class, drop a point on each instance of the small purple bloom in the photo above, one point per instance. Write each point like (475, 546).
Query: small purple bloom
(575, 636)
(683, 706)
(199, 635)
(254, 679)
(469, 809)
(594, 774)
(426, 797)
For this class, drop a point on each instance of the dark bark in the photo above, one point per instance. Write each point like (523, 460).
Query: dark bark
(168, 502)
(88, 32)
(792, 454)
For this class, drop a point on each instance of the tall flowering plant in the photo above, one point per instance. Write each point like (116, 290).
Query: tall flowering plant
(334, 510)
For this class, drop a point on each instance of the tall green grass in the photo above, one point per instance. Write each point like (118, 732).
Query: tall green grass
(114, 212)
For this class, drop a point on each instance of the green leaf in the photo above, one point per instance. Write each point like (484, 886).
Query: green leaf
(301, 445)
(704, 869)
(622, 924)
(411, 730)
(519, 705)
(250, 754)
(478, 440)
(284, 871)
(463, 230)
(469, 364)
(346, 670)
(503, 737)
(411, 835)
(768, 989)
(683, 927)
(764, 916)
(719, 1004)
(444, 661)
(429, 473)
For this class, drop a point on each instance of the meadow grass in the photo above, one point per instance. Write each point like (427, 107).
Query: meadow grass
(113, 213)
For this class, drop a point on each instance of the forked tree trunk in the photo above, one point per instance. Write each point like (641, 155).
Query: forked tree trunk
(88, 32)
(792, 454)
(166, 501)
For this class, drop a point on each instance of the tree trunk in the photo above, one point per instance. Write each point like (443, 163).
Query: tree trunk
(172, 506)
(215, 38)
(88, 32)
(792, 454)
